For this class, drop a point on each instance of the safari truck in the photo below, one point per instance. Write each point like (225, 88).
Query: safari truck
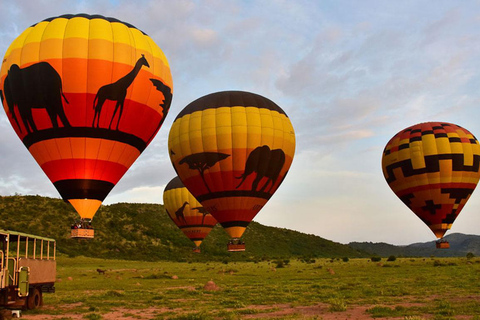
(28, 268)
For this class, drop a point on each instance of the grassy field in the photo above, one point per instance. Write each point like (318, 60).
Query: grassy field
(420, 288)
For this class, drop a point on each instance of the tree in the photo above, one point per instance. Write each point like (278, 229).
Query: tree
(203, 161)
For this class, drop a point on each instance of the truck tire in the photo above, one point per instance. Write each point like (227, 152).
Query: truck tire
(34, 299)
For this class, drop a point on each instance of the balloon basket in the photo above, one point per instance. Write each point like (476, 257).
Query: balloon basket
(81, 233)
(236, 245)
(196, 250)
(442, 244)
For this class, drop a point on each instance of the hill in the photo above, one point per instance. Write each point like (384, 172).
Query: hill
(460, 245)
(145, 232)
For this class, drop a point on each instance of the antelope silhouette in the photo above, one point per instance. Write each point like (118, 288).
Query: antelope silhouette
(265, 163)
(116, 91)
(179, 213)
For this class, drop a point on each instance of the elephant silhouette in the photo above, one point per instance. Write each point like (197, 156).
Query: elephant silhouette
(265, 163)
(37, 86)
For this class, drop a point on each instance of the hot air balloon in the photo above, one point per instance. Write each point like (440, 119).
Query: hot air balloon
(187, 213)
(232, 150)
(86, 94)
(433, 168)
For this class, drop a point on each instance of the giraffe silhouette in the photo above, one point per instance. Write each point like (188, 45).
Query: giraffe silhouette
(203, 211)
(116, 91)
(179, 213)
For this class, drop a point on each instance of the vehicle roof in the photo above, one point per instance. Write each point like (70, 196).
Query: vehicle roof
(22, 234)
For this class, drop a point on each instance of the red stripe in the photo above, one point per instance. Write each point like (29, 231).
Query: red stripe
(84, 169)
(227, 181)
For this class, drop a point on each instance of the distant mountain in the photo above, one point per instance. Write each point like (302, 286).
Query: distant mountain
(145, 232)
(460, 245)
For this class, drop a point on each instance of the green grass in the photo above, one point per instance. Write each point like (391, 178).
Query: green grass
(409, 288)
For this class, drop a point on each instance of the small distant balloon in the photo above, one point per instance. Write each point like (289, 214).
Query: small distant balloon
(186, 212)
(433, 168)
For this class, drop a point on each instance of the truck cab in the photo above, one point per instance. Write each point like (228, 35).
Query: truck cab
(27, 269)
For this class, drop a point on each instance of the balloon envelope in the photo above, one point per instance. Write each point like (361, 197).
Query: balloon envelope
(86, 94)
(232, 150)
(433, 168)
(186, 212)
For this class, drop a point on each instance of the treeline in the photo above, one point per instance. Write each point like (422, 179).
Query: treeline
(135, 231)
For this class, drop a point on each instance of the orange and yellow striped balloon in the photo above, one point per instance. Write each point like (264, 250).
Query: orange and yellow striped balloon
(186, 212)
(433, 168)
(86, 94)
(232, 150)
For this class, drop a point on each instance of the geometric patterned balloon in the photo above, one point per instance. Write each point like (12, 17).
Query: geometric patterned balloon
(186, 212)
(232, 150)
(433, 168)
(86, 94)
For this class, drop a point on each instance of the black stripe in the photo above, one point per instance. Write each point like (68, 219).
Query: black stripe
(234, 193)
(404, 146)
(175, 183)
(432, 164)
(441, 135)
(424, 133)
(229, 224)
(454, 139)
(413, 139)
(84, 132)
(230, 99)
(83, 189)
(90, 17)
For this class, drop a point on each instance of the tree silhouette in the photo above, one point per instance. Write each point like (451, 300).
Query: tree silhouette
(203, 211)
(203, 161)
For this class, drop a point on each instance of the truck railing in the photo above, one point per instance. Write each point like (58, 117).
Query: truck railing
(12, 271)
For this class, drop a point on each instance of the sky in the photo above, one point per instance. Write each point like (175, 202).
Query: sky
(349, 74)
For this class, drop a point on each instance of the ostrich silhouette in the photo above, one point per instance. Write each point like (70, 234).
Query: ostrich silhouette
(179, 213)
(116, 91)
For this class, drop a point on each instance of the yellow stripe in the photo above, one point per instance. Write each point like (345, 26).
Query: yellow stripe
(227, 128)
(235, 232)
(75, 34)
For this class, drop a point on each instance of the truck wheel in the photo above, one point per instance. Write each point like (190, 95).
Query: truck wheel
(34, 299)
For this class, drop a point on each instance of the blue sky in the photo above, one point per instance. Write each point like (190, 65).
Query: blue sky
(350, 74)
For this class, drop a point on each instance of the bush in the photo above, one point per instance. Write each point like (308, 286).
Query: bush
(345, 259)
(392, 258)
(470, 255)
(376, 259)
(280, 264)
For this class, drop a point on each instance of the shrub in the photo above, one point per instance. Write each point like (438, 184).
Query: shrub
(345, 259)
(376, 259)
(337, 304)
(392, 258)
(470, 255)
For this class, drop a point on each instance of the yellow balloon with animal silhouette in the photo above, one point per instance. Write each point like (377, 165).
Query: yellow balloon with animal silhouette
(232, 150)
(86, 94)
(187, 213)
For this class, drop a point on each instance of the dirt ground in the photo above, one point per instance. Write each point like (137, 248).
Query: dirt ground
(321, 311)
